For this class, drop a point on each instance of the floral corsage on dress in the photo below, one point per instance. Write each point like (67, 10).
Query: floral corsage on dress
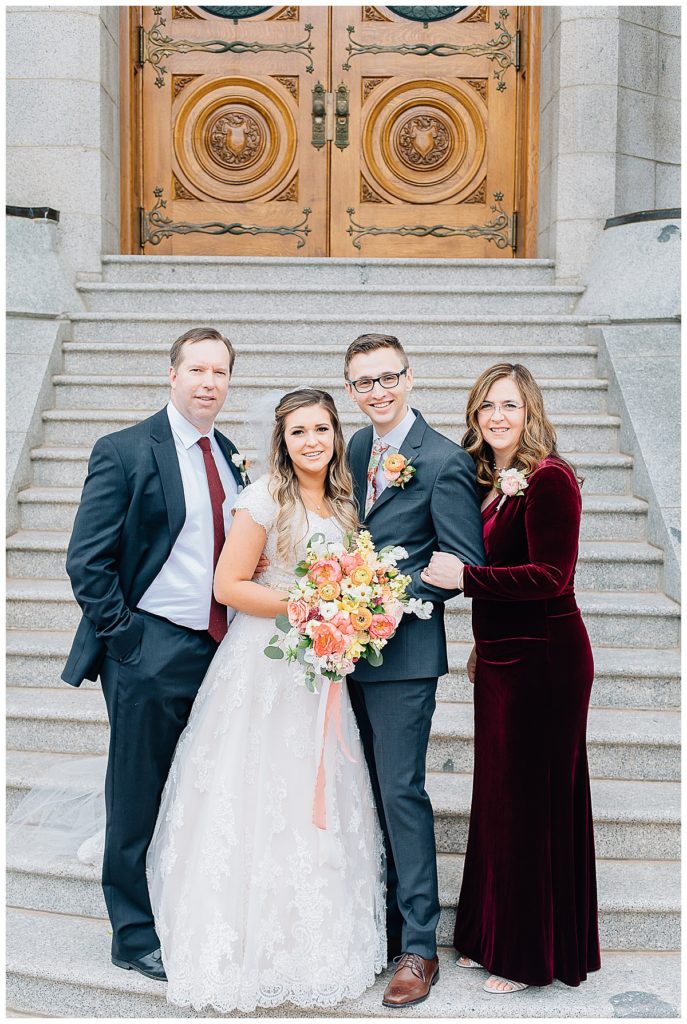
(512, 483)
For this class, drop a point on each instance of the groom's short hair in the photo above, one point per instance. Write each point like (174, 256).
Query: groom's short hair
(199, 334)
(370, 343)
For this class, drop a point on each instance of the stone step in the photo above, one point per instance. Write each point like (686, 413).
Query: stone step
(468, 359)
(267, 328)
(639, 901)
(603, 472)
(614, 619)
(602, 565)
(622, 744)
(593, 432)
(447, 394)
(231, 300)
(326, 272)
(632, 820)
(627, 744)
(616, 517)
(59, 966)
(631, 678)
(623, 678)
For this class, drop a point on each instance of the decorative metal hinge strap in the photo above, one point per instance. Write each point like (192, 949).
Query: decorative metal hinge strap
(500, 229)
(156, 47)
(518, 42)
(141, 45)
(514, 231)
(155, 226)
(502, 50)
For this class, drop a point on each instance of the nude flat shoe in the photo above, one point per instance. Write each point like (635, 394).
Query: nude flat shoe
(516, 986)
(471, 965)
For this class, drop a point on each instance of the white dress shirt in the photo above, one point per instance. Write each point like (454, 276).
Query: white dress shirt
(182, 589)
(394, 439)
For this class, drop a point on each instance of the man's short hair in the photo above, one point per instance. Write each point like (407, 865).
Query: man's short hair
(200, 334)
(370, 343)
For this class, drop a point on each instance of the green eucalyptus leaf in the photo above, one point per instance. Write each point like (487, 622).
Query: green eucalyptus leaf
(282, 624)
(275, 653)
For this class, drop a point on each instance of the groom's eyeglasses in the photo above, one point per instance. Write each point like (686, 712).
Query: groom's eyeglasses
(387, 380)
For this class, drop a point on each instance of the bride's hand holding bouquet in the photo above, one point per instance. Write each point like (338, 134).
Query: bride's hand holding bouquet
(346, 604)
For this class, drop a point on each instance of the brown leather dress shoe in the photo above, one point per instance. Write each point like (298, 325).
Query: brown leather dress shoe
(412, 981)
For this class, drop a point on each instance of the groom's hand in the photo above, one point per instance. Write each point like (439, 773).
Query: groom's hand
(263, 564)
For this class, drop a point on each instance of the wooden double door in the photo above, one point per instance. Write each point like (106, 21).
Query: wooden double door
(331, 131)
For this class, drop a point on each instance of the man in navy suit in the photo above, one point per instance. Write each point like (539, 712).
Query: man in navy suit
(437, 510)
(154, 511)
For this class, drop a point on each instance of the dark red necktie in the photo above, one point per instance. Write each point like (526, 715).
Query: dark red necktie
(217, 626)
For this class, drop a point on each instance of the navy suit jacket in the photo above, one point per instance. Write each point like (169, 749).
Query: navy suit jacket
(438, 510)
(131, 513)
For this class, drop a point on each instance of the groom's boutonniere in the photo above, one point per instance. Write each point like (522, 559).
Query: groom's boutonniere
(512, 483)
(242, 464)
(397, 470)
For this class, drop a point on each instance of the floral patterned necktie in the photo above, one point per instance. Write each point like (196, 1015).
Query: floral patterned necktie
(378, 449)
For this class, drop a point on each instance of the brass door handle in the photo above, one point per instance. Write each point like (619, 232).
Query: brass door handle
(329, 116)
(342, 115)
(319, 116)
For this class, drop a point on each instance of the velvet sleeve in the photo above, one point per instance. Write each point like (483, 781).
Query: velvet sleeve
(552, 525)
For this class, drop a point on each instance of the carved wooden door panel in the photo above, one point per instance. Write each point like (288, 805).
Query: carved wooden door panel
(429, 169)
(228, 168)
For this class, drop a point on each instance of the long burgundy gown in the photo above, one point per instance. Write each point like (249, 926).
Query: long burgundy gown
(527, 909)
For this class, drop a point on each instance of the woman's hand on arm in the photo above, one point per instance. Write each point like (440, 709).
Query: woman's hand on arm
(444, 571)
(236, 568)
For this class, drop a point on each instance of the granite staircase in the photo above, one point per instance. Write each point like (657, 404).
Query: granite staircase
(455, 319)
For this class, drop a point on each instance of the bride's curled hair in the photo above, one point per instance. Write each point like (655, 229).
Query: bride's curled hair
(284, 487)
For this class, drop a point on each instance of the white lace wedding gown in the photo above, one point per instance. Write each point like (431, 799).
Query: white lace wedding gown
(255, 906)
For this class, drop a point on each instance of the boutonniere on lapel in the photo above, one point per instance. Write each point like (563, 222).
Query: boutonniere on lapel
(397, 470)
(242, 464)
(512, 483)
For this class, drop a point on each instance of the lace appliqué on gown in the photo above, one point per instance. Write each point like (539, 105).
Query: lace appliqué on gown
(254, 905)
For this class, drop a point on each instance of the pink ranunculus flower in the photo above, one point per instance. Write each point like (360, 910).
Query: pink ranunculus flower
(510, 485)
(381, 627)
(327, 639)
(351, 562)
(325, 570)
(391, 476)
(343, 624)
(297, 612)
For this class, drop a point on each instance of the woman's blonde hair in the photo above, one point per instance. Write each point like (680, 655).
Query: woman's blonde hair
(284, 487)
(538, 436)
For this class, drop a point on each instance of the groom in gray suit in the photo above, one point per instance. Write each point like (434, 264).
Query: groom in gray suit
(437, 510)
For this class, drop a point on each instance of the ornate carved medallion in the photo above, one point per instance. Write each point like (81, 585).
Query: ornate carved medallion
(236, 139)
(423, 141)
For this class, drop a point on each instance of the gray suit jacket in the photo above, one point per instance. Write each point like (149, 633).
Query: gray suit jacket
(437, 511)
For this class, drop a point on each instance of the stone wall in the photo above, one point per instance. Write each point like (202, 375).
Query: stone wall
(63, 124)
(648, 160)
(610, 123)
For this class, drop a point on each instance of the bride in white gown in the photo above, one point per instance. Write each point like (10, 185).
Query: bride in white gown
(254, 905)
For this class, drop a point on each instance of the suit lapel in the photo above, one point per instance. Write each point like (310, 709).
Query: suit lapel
(165, 455)
(228, 449)
(409, 449)
(359, 464)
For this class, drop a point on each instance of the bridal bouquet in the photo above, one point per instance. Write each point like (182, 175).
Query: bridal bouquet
(346, 604)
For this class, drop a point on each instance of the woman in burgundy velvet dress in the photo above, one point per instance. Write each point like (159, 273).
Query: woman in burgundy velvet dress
(527, 910)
